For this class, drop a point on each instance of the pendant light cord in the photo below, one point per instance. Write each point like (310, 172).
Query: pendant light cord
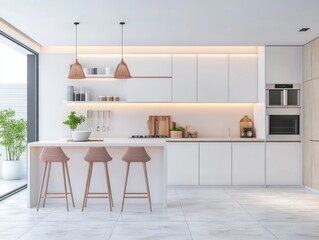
(76, 39)
(122, 39)
(122, 24)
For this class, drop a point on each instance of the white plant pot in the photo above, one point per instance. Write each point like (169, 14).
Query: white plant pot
(80, 135)
(12, 170)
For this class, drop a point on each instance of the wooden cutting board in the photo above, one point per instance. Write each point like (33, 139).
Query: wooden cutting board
(159, 125)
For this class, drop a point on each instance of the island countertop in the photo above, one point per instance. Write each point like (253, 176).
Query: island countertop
(151, 142)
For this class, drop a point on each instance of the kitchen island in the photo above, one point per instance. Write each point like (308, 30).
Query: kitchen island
(78, 169)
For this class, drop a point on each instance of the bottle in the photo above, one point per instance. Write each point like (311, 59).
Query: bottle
(245, 124)
(70, 91)
(76, 96)
(87, 96)
(82, 94)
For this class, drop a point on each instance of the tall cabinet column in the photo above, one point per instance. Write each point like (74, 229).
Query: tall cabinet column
(311, 114)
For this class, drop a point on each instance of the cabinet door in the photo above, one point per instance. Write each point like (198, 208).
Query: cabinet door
(184, 78)
(307, 55)
(315, 59)
(215, 163)
(182, 163)
(283, 163)
(149, 90)
(243, 76)
(283, 64)
(212, 77)
(248, 163)
(149, 65)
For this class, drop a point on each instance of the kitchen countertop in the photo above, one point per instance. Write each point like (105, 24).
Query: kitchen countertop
(215, 140)
(113, 142)
(152, 142)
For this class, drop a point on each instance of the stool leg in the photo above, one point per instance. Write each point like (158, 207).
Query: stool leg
(126, 177)
(147, 186)
(65, 189)
(47, 184)
(108, 185)
(69, 181)
(42, 183)
(88, 191)
(86, 186)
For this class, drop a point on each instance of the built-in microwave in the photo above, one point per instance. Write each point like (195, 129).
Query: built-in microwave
(283, 124)
(283, 95)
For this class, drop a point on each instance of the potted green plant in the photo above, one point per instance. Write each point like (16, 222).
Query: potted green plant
(176, 132)
(73, 122)
(13, 134)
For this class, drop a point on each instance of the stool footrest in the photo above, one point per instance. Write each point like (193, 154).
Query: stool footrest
(54, 197)
(135, 197)
(135, 193)
(97, 196)
(57, 193)
(97, 193)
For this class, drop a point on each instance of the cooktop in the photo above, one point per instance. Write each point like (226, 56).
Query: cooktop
(148, 136)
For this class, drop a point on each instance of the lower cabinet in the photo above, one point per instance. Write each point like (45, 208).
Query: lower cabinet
(234, 163)
(182, 163)
(283, 163)
(215, 163)
(248, 163)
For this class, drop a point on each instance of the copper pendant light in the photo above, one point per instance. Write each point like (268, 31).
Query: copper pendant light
(122, 71)
(76, 71)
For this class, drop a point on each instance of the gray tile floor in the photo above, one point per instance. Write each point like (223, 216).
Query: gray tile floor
(192, 213)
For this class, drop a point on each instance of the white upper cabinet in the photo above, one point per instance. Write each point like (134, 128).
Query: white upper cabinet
(243, 77)
(149, 90)
(184, 77)
(213, 78)
(149, 65)
(283, 64)
(153, 89)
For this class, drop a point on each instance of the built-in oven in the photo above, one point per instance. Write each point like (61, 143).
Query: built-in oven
(283, 124)
(283, 95)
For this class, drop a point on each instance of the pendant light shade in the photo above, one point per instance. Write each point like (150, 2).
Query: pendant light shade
(122, 71)
(76, 70)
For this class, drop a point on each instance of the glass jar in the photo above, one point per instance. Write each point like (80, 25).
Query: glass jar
(245, 127)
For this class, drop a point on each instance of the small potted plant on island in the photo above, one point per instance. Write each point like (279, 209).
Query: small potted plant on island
(13, 134)
(73, 122)
(177, 132)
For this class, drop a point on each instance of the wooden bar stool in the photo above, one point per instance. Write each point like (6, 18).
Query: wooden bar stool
(96, 155)
(137, 155)
(54, 155)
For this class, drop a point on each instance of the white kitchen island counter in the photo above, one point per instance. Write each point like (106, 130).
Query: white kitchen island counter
(78, 168)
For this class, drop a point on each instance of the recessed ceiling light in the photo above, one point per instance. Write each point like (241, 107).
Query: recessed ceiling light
(304, 29)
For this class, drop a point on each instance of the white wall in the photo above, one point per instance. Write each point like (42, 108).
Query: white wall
(210, 120)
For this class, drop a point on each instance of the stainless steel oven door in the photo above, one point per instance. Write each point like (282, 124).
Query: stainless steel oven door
(283, 124)
(283, 95)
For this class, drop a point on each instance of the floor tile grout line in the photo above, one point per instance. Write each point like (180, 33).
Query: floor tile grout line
(181, 206)
(114, 225)
(259, 222)
(22, 234)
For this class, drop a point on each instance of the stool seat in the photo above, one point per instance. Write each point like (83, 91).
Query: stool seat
(136, 154)
(97, 154)
(53, 154)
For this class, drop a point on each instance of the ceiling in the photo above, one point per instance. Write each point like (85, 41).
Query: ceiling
(165, 22)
